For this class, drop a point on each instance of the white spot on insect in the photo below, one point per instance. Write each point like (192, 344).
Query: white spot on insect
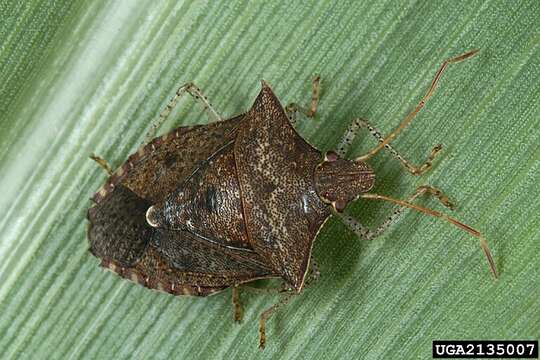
(305, 204)
(151, 216)
(189, 224)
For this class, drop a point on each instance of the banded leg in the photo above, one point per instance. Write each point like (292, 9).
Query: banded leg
(358, 124)
(314, 273)
(292, 109)
(369, 234)
(103, 163)
(196, 93)
(420, 105)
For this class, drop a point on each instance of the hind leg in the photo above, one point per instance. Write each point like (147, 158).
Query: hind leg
(238, 311)
(284, 290)
(267, 313)
(189, 88)
(103, 163)
(196, 94)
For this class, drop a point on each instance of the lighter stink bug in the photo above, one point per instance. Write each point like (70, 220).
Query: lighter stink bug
(208, 207)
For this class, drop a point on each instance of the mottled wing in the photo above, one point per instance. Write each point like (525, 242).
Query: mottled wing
(189, 253)
(157, 168)
(275, 169)
(174, 261)
(120, 236)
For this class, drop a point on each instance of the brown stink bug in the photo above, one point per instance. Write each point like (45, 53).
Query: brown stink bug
(208, 207)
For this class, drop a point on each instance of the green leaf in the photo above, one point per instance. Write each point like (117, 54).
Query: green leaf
(83, 77)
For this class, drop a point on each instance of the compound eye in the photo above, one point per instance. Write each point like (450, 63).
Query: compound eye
(331, 156)
(339, 205)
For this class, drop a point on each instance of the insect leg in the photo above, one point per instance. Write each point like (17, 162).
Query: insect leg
(368, 234)
(358, 124)
(292, 109)
(314, 273)
(196, 93)
(237, 305)
(103, 163)
(451, 220)
(287, 292)
(420, 105)
(267, 313)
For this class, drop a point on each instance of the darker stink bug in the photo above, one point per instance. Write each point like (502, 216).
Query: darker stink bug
(208, 207)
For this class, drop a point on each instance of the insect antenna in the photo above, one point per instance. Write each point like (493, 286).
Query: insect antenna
(420, 105)
(434, 213)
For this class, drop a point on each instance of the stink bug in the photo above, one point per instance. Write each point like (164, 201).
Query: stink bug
(208, 207)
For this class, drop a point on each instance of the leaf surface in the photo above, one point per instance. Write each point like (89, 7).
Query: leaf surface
(89, 77)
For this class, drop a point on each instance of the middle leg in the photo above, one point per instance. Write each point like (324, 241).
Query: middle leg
(237, 305)
(312, 276)
(284, 290)
(267, 313)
